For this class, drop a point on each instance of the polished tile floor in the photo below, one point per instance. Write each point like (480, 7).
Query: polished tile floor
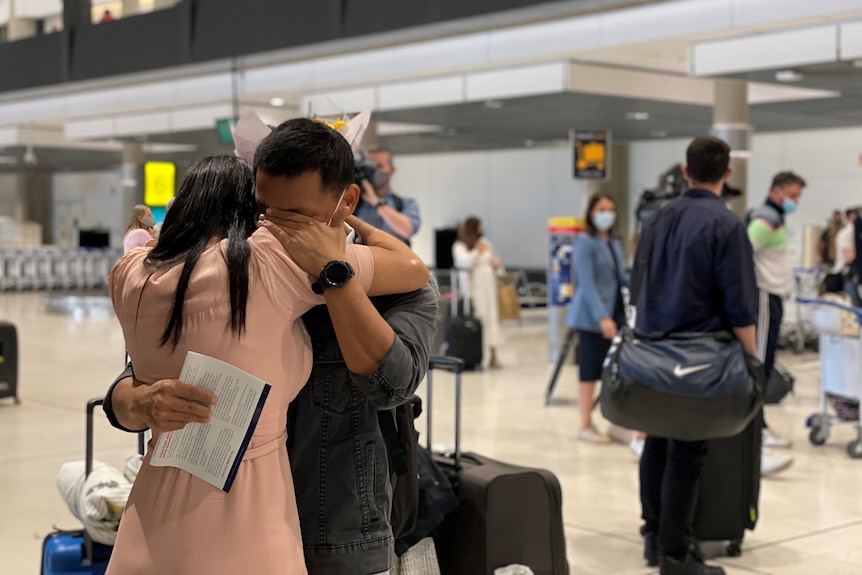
(811, 514)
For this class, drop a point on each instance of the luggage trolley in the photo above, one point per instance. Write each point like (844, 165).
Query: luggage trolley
(840, 369)
(802, 333)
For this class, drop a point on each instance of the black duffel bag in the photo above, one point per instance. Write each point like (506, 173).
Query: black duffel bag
(685, 386)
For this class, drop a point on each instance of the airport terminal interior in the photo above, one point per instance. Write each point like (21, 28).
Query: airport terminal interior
(485, 128)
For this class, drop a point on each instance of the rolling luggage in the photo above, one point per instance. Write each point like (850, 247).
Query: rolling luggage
(729, 489)
(8, 361)
(73, 552)
(463, 331)
(507, 514)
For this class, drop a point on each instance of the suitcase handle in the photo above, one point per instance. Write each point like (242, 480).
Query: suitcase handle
(88, 467)
(456, 366)
(455, 278)
(88, 448)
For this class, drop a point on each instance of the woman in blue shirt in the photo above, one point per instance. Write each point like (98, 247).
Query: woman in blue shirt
(597, 310)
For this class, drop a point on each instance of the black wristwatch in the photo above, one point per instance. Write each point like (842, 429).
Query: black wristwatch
(335, 274)
(379, 205)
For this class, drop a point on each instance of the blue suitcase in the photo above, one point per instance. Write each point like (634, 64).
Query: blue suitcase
(65, 553)
(73, 552)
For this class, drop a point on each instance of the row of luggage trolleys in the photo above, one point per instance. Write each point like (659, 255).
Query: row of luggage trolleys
(46, 268)
(838, 326)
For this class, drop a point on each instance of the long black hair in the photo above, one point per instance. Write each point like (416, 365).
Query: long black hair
(215, 201)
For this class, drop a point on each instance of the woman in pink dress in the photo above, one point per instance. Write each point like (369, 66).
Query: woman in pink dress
(139, 232)
(216, 286)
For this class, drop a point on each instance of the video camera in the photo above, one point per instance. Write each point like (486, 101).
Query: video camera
(364, 169)
(671, 184)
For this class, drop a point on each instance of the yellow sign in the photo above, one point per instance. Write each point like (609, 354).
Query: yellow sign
(159, 183)
(592, 155)
(559, 225)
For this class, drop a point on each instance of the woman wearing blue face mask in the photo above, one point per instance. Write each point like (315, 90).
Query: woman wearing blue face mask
(141, 230)
(597, 310)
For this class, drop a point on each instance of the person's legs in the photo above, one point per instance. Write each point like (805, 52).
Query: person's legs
(776, 315)
(652, 471)
(592, 350)
(684, 463)
(771, 464)
(853, 290)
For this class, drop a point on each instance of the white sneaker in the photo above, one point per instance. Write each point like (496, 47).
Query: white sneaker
(621, 435)
(773, 464)
(637, 446)
(592, 435)
(775, 441)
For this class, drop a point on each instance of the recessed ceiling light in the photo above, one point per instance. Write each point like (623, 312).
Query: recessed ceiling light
(493, 104)
(658, 133)
(276, 102)
(639, 116)
(529, 143)
(788, 76)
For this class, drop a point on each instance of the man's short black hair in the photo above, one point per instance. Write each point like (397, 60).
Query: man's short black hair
(302, 145)
(783, 179)
(707, 160)
(851, 212)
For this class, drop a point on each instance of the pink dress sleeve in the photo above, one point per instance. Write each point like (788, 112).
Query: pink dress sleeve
(136, 239)
(287, 285)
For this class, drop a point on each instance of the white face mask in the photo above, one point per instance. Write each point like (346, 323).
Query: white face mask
(338, 205)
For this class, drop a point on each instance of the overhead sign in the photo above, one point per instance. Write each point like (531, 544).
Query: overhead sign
(159, 183)
(592, 154)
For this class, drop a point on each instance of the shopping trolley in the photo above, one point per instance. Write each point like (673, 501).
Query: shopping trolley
(840, 369)
(801, 334)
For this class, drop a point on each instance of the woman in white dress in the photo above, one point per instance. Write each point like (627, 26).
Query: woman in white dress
(477, 263)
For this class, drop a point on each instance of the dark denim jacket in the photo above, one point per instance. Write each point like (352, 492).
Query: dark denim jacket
(337, 455)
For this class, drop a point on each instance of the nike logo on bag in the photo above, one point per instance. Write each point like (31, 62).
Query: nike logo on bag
(681, 371)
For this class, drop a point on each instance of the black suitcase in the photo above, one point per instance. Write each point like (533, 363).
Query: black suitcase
(463, 331)
(729, 489)
(507, 514)
(8, 361)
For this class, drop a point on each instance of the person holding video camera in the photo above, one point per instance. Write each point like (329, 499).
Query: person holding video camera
(380, 206)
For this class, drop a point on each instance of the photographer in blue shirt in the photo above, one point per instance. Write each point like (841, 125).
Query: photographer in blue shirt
(383, 208)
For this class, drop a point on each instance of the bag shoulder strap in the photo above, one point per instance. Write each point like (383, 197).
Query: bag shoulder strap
(389, 429)
(644, 257)
(398, 201)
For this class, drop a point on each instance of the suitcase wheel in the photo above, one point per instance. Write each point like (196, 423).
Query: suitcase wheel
(854, 449)
(734, 549)
(819, 434)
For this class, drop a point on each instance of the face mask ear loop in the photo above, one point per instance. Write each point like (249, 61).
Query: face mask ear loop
(338, 205)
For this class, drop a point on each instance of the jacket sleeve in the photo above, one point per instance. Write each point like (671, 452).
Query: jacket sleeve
(413, 318)
(585, 273)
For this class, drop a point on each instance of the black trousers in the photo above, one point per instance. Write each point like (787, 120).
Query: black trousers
(669, 472)
(769, 316)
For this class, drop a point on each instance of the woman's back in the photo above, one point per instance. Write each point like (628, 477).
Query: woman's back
(176, 523)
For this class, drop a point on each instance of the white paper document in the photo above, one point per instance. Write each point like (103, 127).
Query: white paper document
(213, 451)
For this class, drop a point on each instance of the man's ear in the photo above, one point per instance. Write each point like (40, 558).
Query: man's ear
(351, 199)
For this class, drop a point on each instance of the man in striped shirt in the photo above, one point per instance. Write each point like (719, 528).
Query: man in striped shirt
(768, 236)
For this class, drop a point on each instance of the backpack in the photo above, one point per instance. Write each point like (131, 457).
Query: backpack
(402, 446)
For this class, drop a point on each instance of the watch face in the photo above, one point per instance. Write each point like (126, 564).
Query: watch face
(337, 273)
